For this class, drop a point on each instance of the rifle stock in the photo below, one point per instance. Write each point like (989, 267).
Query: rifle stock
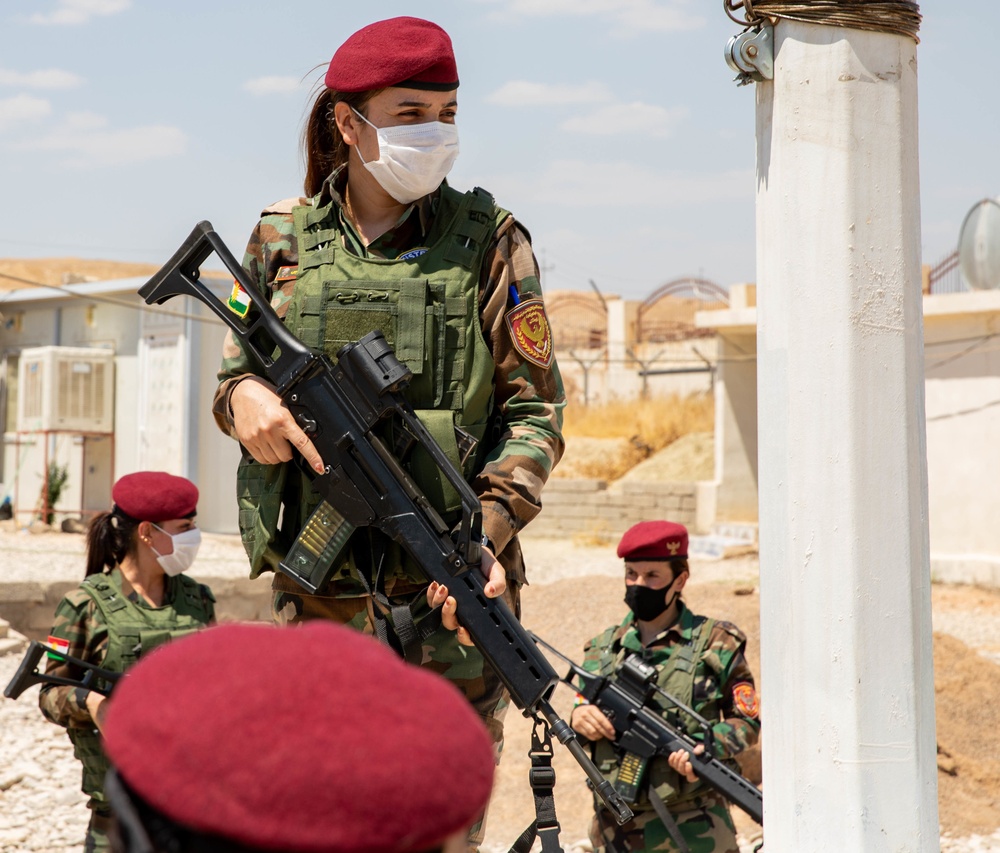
(340, 406)
(28, 674)
(644, 732)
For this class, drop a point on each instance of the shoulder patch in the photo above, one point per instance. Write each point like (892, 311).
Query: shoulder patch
(530, 332)
(745, 700)
(284, 206)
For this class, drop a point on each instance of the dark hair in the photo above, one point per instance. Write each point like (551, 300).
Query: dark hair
(678, 565)
(137, 825)
(323, 146)
(110, 537)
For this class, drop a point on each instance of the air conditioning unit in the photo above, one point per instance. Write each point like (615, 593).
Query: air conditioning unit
(65, 388)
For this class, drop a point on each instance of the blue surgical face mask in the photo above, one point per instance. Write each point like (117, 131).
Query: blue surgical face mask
(186, 545)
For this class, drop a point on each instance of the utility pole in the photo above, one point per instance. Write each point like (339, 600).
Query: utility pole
(849, 758)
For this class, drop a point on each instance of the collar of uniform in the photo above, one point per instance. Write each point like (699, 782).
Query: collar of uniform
(682, 629)
(335, 188)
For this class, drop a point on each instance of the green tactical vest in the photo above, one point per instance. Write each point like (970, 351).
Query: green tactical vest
(676, 676)
(427, 306)
(132, 632)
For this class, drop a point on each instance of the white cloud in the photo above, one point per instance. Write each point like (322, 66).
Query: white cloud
(73, 12)
(523, 93)
(635, 118)
(49, 78)
(22, 108)
(629, 17)
(272, 85)
(579, 184)
(88, 142)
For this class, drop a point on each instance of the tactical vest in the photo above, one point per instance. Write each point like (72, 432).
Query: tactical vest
(132, 632)
(427, 306)
(676, 676)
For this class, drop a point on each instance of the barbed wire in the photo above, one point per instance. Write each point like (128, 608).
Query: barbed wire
(900, 17)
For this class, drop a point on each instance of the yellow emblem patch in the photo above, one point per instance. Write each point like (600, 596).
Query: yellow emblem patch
(286, 273)
(530, 332)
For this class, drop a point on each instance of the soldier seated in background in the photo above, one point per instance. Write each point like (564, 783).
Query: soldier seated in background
(313, 738)
(700, 662)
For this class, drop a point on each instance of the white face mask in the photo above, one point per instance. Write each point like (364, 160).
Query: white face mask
(186, 546)
(413, 159)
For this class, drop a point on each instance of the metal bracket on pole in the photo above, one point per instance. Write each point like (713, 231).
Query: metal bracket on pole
(751, 55)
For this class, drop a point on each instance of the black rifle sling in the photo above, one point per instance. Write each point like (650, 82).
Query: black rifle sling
(542, 777)
(663, 813)
(404, 635)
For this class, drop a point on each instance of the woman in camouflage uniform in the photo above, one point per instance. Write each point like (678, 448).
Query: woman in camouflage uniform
(383, 242)
(700, 662)
(133, 598)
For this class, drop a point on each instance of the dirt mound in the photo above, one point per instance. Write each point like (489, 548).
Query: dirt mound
(690, 459)
(60, 271)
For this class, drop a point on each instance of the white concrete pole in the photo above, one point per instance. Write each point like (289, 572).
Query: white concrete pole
(847, 678)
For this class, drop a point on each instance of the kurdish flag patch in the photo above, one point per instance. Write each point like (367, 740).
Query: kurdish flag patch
(239, 300)
(57, 644)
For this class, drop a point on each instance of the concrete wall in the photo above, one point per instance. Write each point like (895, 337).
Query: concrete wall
(962, 398)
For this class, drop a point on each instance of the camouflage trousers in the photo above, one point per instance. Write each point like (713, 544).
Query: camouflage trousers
(464, 666)
(98, 832)
(706, 828)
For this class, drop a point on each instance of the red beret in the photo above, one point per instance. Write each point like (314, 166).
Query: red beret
(404, 51)
(309, 738)
(155, 496)
(654, 540)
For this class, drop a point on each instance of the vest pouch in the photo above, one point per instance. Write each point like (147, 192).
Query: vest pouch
(424, 470)
(150, 638)
(412, 322)
(259, 490)
(88, 751)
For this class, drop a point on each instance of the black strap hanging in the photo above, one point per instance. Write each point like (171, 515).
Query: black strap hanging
(542, 777)
(668, 820)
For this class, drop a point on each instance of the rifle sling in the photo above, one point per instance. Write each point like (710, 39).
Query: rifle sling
(542, 777)
(663, 813)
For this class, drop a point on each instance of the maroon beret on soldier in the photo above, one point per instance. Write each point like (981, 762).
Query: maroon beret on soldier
(155, 496)
(313, 738)
(654, 540)
(408, 52)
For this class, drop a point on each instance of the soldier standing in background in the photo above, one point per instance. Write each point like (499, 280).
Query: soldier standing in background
(383, 242)
(133, 598)
(700, 662)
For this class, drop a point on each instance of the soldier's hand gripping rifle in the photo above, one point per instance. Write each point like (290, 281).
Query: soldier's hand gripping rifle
(94, 678)
(342, 408)
(642, 732)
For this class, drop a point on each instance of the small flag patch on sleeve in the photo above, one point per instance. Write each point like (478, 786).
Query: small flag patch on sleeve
(57, 644)
(239, 300)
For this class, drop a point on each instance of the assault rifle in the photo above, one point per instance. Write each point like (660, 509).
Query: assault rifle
(642, 731)
(345, 408)
(28, 674)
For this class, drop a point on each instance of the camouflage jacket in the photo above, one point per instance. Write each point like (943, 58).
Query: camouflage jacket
(530, 398)
(79, 621)
(723, 687)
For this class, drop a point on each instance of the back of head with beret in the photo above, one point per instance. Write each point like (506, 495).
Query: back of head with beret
(309, 738)
(402, 51)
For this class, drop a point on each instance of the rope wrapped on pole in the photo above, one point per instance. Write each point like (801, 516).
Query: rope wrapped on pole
(901, 17)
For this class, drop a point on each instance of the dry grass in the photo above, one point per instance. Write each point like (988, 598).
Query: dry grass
(647, 426)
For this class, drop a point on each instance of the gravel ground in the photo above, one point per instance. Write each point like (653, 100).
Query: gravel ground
(41, 808)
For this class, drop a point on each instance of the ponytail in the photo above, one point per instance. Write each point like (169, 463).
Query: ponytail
(111, 536)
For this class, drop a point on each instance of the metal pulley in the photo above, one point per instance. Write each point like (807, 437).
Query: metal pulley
(751, 55)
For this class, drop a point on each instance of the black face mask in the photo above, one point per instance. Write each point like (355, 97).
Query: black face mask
(648, 603)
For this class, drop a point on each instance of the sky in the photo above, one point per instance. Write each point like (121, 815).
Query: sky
(611, 128)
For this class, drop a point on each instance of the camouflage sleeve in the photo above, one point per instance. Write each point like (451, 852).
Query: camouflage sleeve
(272, 245)
(75, 622)
(739, 727)
(528, 393)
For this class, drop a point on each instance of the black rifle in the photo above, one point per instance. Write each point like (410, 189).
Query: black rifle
(343, 407)
(28, 674)
(642, 732)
